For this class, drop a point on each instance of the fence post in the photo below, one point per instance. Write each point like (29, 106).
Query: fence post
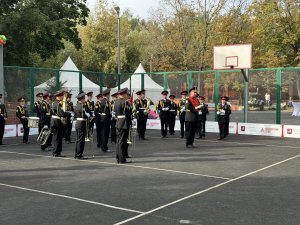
(190, 80)
(101, 82)
(142, 81)
(216, 91)
(57, 83)
(80, 81)
(165, 81)
(278, 96)
(31, 84)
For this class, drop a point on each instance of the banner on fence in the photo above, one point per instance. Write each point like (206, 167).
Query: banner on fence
(10, 130)
(291, 131)
(260, 129)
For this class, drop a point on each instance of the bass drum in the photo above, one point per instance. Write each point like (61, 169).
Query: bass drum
(33, 122)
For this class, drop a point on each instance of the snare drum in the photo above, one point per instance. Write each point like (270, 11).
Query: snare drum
(33, 122)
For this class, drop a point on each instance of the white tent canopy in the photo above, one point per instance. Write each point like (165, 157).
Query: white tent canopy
(70, 81)
(153, 89)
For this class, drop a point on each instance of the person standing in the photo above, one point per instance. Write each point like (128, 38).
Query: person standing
(46, 118)
(98, 119)
(203, 111)
(89, 108)
(192, 107)
(22, 114)
(69, 122)
(113, 131)
(37, 108)
(56, 123)
(163, 107)
(173, 113)
(142, 112)
(182, 103)
(105, 111)
(81, 119)
(123, 114)
(223, 113)
(3, 117)
(268, 99)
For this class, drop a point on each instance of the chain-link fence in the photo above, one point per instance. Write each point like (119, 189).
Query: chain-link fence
(273, 95)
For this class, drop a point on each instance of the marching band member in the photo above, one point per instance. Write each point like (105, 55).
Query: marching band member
(182, 103)
(203, 111)
(140, 105)
(37, 108)
(192, 107)
(3, 117)
(98, 119)
(89, 108)
(105, 111)
(46, 118)
(173, 113)
(124, 119)
(163, 106)
(81, 117)
(113, 131)
(223, 113)
(68, 125)
(22, 114)
(56, 124)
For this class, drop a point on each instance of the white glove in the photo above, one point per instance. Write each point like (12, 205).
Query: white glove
(87, 115)
(200, 113)
(218, 113)
(93, 114)
(46, 126)
(198, 107)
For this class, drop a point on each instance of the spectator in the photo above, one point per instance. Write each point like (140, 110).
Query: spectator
(267, 98)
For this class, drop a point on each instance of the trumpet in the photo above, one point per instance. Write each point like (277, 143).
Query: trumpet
(64, 106)
(131, 136)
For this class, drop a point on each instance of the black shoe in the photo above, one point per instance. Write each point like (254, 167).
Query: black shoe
(68, 142)
(188, 146)
(181, 137)
(58, 155)
(200, 137)
(124, 162)
(128, 157)
(81, 158)
(220, 138)
(107, 151)
(144, 139)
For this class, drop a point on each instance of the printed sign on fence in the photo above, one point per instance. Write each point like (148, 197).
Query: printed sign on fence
(291, 131)
(10, 130)
(260, 129)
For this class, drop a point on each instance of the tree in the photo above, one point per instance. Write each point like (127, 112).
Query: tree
(36, 27)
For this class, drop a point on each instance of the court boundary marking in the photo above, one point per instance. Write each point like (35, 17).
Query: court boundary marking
(205, 190)
(70, 197)
(116, 164)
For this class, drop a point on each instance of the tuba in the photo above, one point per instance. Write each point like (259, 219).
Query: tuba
(44, 136)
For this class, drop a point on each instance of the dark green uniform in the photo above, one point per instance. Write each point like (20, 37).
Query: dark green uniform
(45, 121)
(164, 114)
(223, 112)
(191, 123)
(80, 126)
(22, 111)
(105, 112)
(113, 131)
(182, 116)
(68, 125)
(37, 108)
(3, 116)
(89, 108)
(141, 116)
(203, 111)
(98, 123)
(173, 113)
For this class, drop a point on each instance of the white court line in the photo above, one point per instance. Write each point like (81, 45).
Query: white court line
(126, 165)
(203, 191)
(235, 142)
(69, 197)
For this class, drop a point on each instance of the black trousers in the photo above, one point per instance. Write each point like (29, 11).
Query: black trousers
(113, 131)
(41, 125)
(201, 128)
(182, 126)
(222, 129)
(80, 140)
(164, 123)
(141, 127)
(190, 132)
(25, 130)
(122, 146)
(226, 128)
(91, 127)
(98, 132)
(68, 131)
(105, 128)
(172, 122)
(2, 128)
(57, 131)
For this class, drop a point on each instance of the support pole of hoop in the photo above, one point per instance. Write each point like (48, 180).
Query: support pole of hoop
(245, 73)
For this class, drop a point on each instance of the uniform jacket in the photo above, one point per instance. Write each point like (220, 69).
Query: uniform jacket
(191, 112)
(173, 109)
(79, 112)
(227, 108)
(140, 106)
(181, 108)
(3, 112)
(22, 111)
(37, 108)
(123, 109)
(203, 111)
(164, 108)
(105, 110)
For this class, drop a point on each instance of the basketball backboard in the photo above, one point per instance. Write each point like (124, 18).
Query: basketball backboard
(232, 57)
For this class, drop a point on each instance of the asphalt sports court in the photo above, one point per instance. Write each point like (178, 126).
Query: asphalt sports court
(244, 180)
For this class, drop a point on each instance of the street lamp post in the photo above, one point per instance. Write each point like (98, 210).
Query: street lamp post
(117, 8)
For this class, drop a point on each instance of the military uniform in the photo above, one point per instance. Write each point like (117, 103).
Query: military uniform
(182, 112)
(223, 113)
(173, 113)
(89, 108)
(56, 125)
(141, 116)
(203, 111)
(23, 112)
(163, 106)
(68, 125)
(123, 113)
(113, 131)
(80, 126)
(105, 112)
(98, 121)
(3, 116)
(45, 120)
(37, 108)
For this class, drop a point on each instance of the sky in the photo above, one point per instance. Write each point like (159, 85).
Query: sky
(139, 8)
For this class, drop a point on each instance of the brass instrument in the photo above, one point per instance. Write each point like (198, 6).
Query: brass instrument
(44, 136)
(149, 103)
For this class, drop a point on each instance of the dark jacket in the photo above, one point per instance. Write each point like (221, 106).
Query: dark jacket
(173, 109)
(123, 114)
(191, 112)
(105, 111)
(79, 112)
(227, 111)
(164, 108)
(140, 106)
(182, 109)
(203, 111)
